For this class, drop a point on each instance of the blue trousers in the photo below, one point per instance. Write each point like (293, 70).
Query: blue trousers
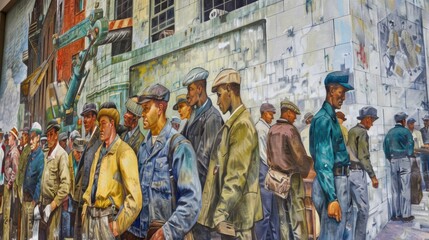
(329, 227)
(268, 227)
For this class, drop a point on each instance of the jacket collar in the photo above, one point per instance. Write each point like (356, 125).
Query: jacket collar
(329, 110)
(282, 120)
(114, 146)
(199, 111)
(37, 152)
(235, 115)
(54, 152)
(160, 140)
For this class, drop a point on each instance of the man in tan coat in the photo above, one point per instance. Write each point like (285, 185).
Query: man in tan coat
(55, 184)
(113, 198)
(231, 195)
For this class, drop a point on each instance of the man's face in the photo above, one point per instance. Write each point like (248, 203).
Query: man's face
(368, 122)
(12, 140)
(184, 110)
(268, 117)
(338, 95)
(63, 143)
(193, 94)
(411, 126)
(129, 120)
(34, 141)
(290, 116)
(150, 115)
(223, 99)
(89, 119)
(426, 122)
(106, 128)
(24, 138)
(77, 155)
(52, 136)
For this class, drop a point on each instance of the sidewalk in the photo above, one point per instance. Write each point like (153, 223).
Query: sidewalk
(416, 230)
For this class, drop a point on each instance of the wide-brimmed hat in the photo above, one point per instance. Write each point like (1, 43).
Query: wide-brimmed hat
(52, 124)
(367, 111)
(89, 107)
(14, 132)
(179, 99)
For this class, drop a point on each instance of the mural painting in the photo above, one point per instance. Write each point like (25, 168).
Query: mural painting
(290, 117)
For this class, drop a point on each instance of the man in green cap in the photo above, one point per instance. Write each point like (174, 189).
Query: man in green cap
(331, 189)
(286, 154)
(231, 197)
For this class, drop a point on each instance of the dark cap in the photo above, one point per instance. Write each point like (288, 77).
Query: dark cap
(400, 116)
(179, 99)
(411, 120)
(79, 144)
(154, 92)
(267, 107)
(367, 112)
(62, 136)
(426, 117)
(196, 74)
(287, 104)
(133, 107)
(89, 107)
(25, 130)
(52, 124)
(307, 116)
(338, 77)
(341, 115)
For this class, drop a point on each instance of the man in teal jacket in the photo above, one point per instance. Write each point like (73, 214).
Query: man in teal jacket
(398, 148)
(331, 195)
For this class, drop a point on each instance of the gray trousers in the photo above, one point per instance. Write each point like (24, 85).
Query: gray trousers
(268, 227)
(359, 195)
(401, 190)
(329, 227)
(96, 228)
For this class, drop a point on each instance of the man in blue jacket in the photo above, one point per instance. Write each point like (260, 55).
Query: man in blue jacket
(331, 195)
(155, 177)
(398, 148)
(32, 177)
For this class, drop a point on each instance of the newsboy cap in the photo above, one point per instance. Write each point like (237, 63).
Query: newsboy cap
(426, 117)
(367, 111)
(226, 76)
(286, 104)
(62, 136)
(79, 144)
(74, 134)
(52, 124)
(133, 107)
(89, 107)
(194, 75)
(411, 120)
(37, 128)
(338, 77)
(307, 116)
(154, 92)
(179, 99)
(109, 109)
(400, 116)
(267, 107)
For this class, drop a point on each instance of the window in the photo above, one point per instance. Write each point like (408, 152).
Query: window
(79, 5)
(162, 19)
(123, 9)
(227, 5)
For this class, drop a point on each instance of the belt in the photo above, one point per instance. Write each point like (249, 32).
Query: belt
(101, 212)
(355, 166)
(341, 171)
(27, 197)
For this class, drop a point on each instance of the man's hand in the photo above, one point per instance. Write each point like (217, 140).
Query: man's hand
(159, 235)
(374, 181)
(334, 210)
(53, 205)
(114, 228)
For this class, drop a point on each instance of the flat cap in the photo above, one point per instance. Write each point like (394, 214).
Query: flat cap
(267, 107)
(43, 138)
(307, 116)
(400, 116)
(286, 104)
(52, 124)
(341, 115)
(79, 144)
(411, 120)
(175, 119)
(89, 107)
(133, 107)
(194, 75)
(338, 77)
(37, 128)
(154, 92)
(62, 136)
(426, 117)
(74, 134)
(179, 99)
(226, 76)
(367, 111)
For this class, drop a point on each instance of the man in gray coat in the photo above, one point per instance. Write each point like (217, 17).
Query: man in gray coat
(201, 128)
(358, 143)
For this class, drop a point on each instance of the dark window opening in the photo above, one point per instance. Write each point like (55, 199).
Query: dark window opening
(227, 5)
(162, 19)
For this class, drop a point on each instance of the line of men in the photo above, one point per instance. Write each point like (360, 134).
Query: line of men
(208, 182)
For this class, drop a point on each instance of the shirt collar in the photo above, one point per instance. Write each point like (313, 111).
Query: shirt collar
(130, 133)
(330, 110)
(264, 122)
(53, 153)
(236, 110)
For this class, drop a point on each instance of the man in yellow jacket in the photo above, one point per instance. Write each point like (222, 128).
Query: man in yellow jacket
(113, 198)
(231, 195)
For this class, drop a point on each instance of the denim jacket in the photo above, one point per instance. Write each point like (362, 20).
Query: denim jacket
(156, 189)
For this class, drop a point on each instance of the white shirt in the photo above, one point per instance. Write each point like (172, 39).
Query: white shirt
(262, 128)
(305, 137)
(418, 140)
